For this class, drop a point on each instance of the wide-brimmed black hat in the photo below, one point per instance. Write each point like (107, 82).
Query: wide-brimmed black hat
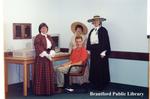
(96, 17)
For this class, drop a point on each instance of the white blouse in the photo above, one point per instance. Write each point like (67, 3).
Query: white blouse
(49, 44)
(94, 36)
(94, 39)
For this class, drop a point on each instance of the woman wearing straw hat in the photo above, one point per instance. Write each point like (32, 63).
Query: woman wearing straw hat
(99, 47)
(79, 29)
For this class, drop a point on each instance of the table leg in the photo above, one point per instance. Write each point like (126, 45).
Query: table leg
(6, 77)
(25, 80)
(28, 76)
(32, 73)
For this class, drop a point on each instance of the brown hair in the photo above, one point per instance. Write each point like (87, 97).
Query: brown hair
(42, 25)
(78, 37)
(79, 26)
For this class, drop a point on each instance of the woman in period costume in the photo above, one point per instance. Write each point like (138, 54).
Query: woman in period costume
(43, 80)
(79, 29)
(99, 47)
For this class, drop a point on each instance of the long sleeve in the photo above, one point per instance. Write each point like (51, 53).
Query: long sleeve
(52, 52)
(84, 55)
(106, 42)
(53, 43)
(84, 40)
(39, 47)
(71, 45)
(88, 41)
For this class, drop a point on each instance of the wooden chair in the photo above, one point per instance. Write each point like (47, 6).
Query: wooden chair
(80, 73)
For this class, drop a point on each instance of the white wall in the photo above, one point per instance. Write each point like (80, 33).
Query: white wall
(28, 11)
(126, 24)
(148, 17)
(129, 72)
(2, 87)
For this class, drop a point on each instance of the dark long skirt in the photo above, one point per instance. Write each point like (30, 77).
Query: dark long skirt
(43, 80)
(99, 70)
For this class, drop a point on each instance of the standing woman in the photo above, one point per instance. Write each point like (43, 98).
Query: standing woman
(79, 29)
(43, 80)
(99, 47)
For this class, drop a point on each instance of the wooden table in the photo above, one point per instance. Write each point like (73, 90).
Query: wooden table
(26, 61)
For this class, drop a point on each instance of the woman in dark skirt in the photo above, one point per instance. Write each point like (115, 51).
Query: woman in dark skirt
(99, 47)
(43, 79)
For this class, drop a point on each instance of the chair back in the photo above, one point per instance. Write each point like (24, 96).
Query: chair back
(81, 72)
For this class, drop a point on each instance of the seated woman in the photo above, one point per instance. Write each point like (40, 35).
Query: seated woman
(78, 56)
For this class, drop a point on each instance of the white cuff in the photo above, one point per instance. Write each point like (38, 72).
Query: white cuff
(49, 57)
(43, 54)
(103, 53)
(88, 52)
(52, 53)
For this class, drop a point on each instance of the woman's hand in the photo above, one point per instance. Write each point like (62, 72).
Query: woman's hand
(103, 54)
(52, 53)
(43, 54)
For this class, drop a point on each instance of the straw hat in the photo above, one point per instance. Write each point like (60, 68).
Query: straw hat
(74, 24)
(96, 17)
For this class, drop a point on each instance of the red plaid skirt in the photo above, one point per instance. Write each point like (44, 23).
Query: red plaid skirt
(43, 79)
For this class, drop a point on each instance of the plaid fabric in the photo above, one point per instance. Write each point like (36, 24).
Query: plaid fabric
(43, 81)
